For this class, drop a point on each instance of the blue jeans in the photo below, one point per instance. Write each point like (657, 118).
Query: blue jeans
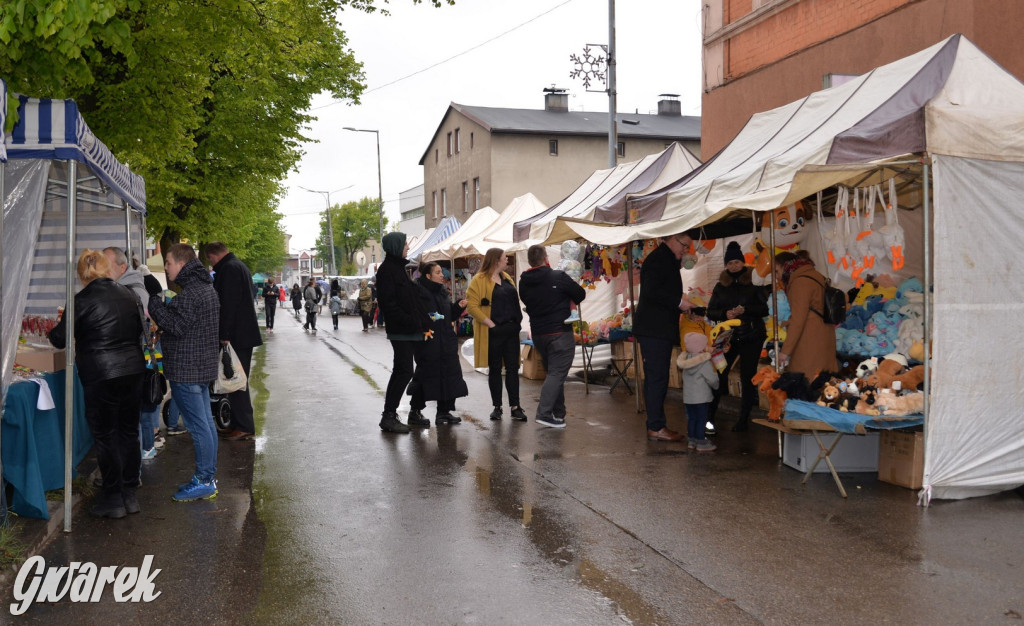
(557, 352)
(148, 421)
(194, 401)
(696, 418)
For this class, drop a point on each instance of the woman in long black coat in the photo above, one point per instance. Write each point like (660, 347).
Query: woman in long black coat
(438, 370)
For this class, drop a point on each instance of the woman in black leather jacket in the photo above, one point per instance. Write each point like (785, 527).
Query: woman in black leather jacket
(108, 354)
(736, 297)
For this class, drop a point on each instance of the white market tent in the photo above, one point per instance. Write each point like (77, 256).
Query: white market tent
(472, 229)
(502, 233)
(442, 231)
(605, 191)
(953, 116)
(414, 241)
(63, 191)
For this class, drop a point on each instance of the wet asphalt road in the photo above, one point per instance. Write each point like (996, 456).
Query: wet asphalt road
(324, 519)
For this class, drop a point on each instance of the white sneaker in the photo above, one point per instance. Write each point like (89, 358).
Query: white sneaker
(573, 317)
(149, 454)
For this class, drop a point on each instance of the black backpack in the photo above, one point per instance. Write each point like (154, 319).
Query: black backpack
(834, 311)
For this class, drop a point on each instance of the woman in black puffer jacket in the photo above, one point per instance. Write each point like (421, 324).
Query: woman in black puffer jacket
(736, 297)
(108, 354)
(438, 370)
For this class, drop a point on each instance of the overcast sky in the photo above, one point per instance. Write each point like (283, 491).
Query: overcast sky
(658, 50)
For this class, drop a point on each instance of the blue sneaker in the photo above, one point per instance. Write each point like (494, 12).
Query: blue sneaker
(193, 481)
(149, 454)
(196, 491)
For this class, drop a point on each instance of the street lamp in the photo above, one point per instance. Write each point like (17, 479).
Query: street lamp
(380, 195)
(330, 225)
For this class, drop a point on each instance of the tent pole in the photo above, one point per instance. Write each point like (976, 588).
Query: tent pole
(69, 324)
(128, 234)
(926, 192)
(632, 313)
(775, 306)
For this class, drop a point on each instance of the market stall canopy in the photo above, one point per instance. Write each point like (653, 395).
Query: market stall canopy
(415, 240)
(54, 129)
(605, 192)
(501, 233)
(442, 231)
(472, 230)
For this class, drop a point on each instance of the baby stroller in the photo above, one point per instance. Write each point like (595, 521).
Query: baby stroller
(220, 406)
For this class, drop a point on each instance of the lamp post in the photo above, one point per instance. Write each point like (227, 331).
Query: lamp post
(380, 195)
(330, 225)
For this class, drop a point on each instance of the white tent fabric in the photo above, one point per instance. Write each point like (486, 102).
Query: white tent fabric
(415, 240)
(441, 232)
(500, 233)
(472, 229)
(605, 193)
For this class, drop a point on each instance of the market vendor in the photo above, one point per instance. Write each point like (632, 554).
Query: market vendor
(810, 346)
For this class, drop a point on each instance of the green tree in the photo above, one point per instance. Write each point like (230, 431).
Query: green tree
(354, 223)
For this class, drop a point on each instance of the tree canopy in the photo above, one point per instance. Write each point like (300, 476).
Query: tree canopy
(206, 100)
(353, 223)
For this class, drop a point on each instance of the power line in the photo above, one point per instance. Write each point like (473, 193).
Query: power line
(454, 56)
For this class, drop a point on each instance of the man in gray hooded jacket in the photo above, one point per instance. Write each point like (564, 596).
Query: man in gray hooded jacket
(124, 274)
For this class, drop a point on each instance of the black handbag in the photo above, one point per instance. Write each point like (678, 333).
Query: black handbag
(154, 384)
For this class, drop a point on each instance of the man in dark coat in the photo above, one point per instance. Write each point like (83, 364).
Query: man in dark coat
(271, 294)
(189, 326)
(238, 327)
(656, 327)
(408, 324)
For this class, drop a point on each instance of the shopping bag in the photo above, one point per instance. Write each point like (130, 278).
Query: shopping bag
(230, 375)
(154, 384)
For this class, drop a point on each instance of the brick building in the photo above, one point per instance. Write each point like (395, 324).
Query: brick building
(760, 54)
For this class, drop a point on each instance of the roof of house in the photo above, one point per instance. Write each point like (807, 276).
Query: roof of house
(595, 123)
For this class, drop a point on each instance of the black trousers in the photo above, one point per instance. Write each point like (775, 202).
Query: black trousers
(749, 353)
(241, 403)
(401, 373)
(112, 412)
(269, 310)
(367, 318)
(503, 348)
(310, 320)
(657, 357)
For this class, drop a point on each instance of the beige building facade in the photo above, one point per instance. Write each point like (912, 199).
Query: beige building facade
(481, 156)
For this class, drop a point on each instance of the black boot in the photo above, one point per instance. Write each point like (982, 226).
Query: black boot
(741, 425)
(108, 507)
(416, 419)
(496, 414)
(389, 423)
(446, 417)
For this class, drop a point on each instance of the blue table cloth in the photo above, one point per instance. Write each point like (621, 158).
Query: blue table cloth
(33, 443)
(846, 422)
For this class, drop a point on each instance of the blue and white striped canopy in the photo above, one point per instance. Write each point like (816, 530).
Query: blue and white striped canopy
(444, 230)
(54, 129)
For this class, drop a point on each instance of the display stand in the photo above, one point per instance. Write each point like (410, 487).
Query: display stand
(815, 427)
(620, 368)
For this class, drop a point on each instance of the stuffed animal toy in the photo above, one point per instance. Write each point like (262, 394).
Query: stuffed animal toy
(789, 223)
(795, 385)
(888, 369)
(911, 379)
(866, 404)
(764, 379)
(830, 395)
(896, 405)
(867, 367)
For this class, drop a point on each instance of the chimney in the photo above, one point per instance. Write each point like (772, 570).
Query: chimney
(556, 99)
(669, 104)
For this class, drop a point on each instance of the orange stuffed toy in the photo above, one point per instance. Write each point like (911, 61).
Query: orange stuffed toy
(887, 371)
(910, 379)
(764, 379)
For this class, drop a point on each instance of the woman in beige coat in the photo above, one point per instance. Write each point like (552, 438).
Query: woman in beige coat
(494, 304)
(810, 345)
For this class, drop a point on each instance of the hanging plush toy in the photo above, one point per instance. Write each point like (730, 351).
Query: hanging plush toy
(892, 232)
(571, 265)
(789, 223)
(834, 241)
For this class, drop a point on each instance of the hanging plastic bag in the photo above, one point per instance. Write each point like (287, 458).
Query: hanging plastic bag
(833, 241)
(868, 245)
(892, 232)
(230, 375)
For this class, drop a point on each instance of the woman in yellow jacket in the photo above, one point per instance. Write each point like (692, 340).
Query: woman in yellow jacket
(494, 305)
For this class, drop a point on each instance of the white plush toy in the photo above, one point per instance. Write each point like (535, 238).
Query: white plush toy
(570, 264)
(867, 367)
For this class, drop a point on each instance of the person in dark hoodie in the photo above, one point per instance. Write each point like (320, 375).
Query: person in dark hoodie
(737, 297)
(408, 324)
(547, 294)
(190, 323)
(438, 370)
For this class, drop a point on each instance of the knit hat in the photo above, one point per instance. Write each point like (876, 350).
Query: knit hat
(733, 252)
(695, 342)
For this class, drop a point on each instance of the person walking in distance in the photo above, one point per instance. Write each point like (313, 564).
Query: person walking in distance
(336, 305)
(190, 323)
(494, 304)
(547, 294)
(296, 297)
(271, 295)
(311, 298)
(365, 304)
(238, 327)
(656, 327)
(408, 324)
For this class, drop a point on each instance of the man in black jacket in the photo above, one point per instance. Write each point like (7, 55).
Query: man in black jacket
(547, 294)
(656, 327)
(238, 327)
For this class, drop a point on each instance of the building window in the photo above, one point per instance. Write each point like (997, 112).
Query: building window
(433, 195)
(458, 141)
(444, 202)
(470, 141)
(465, 197)
(620, 149)
(449, 144)
(476, 194)
(553, 147)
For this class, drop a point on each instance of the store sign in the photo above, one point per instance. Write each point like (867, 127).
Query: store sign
(82, 582)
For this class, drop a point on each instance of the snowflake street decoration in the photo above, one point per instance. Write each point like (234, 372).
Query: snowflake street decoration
(588, 67)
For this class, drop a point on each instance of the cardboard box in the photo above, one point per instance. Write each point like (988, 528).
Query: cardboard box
(855, 453)
(901, 458)
(533, 366)
(40, 359)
